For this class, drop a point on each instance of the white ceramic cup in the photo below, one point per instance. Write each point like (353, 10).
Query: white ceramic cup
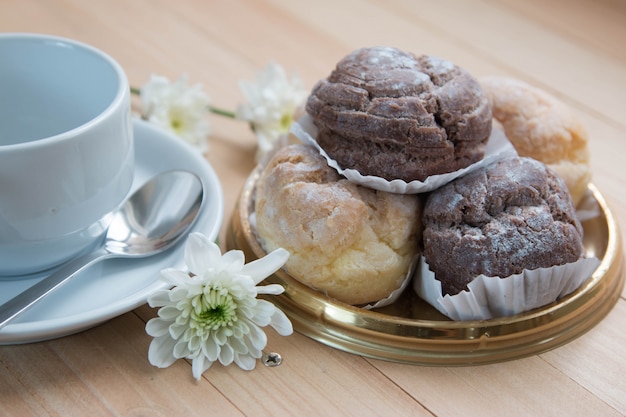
(66, 149)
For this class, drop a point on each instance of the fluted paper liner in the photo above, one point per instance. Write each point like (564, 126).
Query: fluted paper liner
(498, 147)
(492, 297)
(587, 208)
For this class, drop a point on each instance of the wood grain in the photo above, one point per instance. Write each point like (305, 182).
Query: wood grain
(573, 49)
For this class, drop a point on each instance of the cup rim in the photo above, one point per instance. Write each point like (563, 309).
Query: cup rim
(123, 90)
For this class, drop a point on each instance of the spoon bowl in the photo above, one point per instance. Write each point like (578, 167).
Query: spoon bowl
(156, 216)
(152, 220)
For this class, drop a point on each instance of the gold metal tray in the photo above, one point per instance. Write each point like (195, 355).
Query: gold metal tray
(411, 331)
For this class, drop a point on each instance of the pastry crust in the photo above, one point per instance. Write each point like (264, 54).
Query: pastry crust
(513, 215)
(353, 243)
(391, 114)
(542, 127)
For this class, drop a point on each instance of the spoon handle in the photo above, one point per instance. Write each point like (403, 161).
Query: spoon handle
(21, 302)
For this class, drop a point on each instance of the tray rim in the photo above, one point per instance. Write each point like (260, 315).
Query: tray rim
(439, 342)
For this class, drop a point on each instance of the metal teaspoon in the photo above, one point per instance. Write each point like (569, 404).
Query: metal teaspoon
(149, 222)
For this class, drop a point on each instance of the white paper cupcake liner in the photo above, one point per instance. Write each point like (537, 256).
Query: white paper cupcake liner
(498, 147)
(587, 208)
(492, 297)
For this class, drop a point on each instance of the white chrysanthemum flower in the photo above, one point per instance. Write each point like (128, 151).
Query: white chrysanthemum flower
(271, 104)
(211, 312)
(177, 107)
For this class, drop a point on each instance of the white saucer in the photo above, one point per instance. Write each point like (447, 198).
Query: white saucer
(116, 286)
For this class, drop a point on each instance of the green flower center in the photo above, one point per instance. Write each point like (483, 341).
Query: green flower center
(177, 119)
(214, 309)
(285, 122)
(177, 124)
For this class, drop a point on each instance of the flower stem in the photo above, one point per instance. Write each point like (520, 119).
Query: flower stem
(222, 112)
(216, 110)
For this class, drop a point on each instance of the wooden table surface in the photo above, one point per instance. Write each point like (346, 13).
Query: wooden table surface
(573, 49)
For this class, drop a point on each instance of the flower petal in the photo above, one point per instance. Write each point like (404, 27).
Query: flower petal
(274, 289)
(168, 313)
(177, 330)
(245, 362)
(263, 313)
(158, 298)
(201, 253)
(227, 355)
(257, 337)
(156, 327)
(232, 261)
(220, 336)
(175, 277)
(238, 345)
(281, 323)
(260, 269)
(211, 350)
(200, 365)
(160, 351)
(181, 349)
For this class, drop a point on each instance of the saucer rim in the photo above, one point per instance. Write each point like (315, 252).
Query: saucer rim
(210, 225)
